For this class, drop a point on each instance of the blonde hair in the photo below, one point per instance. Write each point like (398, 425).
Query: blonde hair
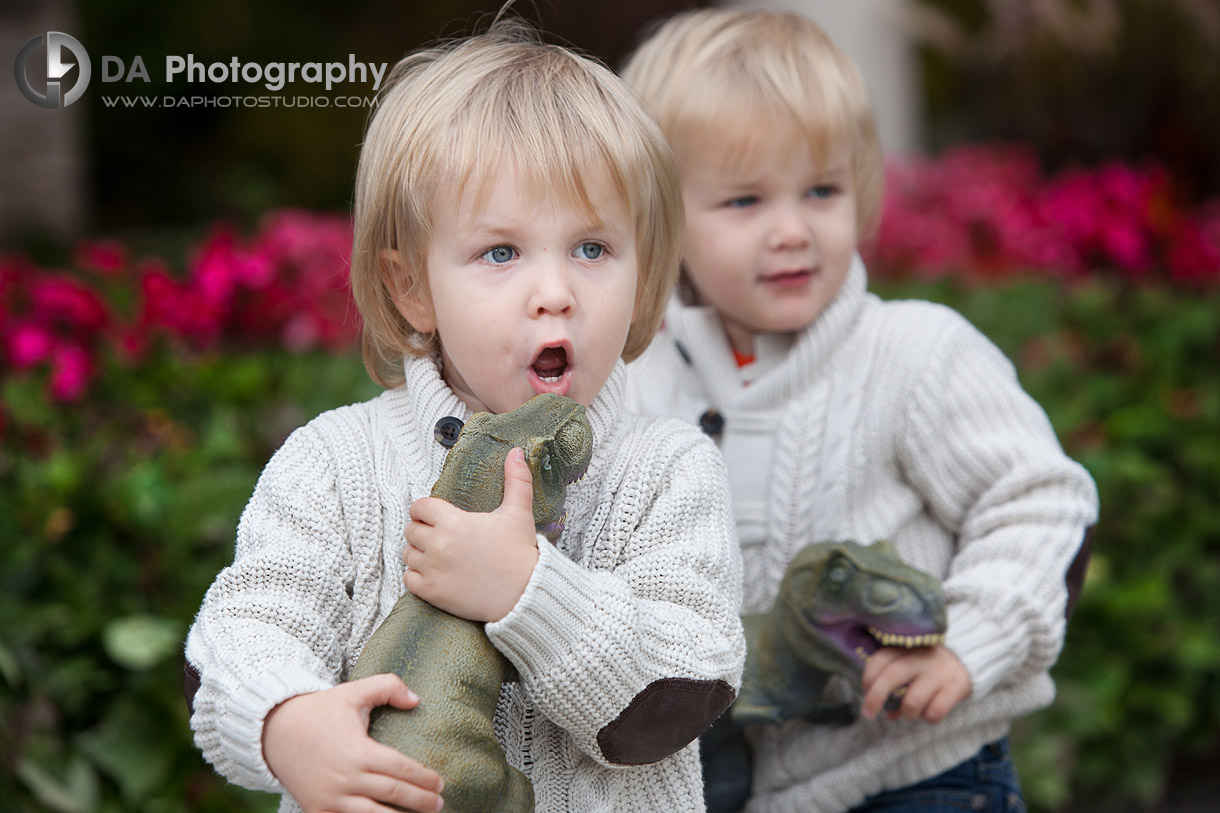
(714, 75)
(454, 112)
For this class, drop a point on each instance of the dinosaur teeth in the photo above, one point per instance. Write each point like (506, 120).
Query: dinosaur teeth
(907, 641)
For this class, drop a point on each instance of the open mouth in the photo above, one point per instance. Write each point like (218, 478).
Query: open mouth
(551, 370)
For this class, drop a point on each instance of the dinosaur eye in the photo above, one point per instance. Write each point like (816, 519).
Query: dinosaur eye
(546, 462)
(838, 573)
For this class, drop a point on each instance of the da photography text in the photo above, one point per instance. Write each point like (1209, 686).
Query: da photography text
(53, 70)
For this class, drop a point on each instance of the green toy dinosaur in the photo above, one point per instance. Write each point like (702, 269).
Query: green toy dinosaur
(448, 661)
(838, 603)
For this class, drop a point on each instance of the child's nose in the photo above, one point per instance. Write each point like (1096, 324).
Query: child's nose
(789, 230)
(552, 291)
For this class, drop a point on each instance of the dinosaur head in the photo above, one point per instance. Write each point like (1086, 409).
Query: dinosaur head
(557, 450)
(841, 601)
(558, 444)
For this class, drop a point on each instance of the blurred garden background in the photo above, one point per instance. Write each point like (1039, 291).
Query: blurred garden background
(159, 341)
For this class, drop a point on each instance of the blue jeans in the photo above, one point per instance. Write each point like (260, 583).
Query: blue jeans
(987, 781)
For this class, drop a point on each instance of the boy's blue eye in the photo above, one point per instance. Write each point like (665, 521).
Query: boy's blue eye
(591, 251)
(498, 255)
(741, 202)
(823, 191)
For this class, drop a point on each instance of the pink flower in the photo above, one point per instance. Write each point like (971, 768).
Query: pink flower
(29, 344)
(131, 342)
(211, 275)
(179, 310)
(71, 369)
(67, 303)
(1125, 244)
(1123, 187)
(1194, 254)
(301, 333)
(103, 256)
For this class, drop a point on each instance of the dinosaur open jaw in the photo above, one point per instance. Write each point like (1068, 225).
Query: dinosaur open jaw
(859, 642)
(877, 638)
(579, 474)
(551, 370)
(906, 641)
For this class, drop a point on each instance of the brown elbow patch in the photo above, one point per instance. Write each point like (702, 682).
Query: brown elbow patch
(1077, 571)
(190, 684)
(663, 719)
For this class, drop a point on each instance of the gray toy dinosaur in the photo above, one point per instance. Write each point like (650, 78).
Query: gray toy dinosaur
(449, 661)
(838, 603)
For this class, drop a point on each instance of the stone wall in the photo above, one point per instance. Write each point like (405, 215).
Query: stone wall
(42, 152)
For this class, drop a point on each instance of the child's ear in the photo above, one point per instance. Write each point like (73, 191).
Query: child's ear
(410, 297)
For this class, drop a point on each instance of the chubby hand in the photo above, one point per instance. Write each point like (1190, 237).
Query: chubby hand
(470, 564)
(934, 678)
(319, 748)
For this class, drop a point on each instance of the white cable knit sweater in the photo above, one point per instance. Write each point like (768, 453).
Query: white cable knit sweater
(643, 584)
(894, 421)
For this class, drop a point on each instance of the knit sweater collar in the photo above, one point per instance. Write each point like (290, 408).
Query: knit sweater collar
(425, 398)
(789, 362)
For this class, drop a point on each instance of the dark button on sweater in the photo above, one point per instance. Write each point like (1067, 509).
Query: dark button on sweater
(447, 431)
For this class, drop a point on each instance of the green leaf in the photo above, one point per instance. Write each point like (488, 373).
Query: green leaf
(24, 399)
(129, 747)
(142, 641)
(1139, 422)
(206, 506)
(76, 791)
(10, 669)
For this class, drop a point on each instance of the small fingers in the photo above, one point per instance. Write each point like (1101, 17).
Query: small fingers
(396, 769)
(518, 481)
(927, 683)
(884, 674)
(380, 690)
(363, 804)
(396, 692)
(418, 534)
(413, 556)
(939, 706)
(426, 510)
(403, 781)
(875, 701)
(415, 583)
(420, 539)
(915, 699)
(381, 792)
(410, 797)
(954, 690)
(877, 664)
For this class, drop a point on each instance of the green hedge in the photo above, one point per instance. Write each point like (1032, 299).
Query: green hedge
(117, 511)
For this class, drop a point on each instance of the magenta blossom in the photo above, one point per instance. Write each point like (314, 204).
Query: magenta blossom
(71, 369)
